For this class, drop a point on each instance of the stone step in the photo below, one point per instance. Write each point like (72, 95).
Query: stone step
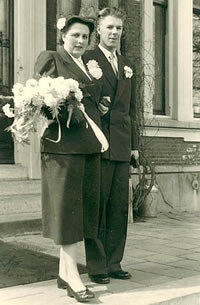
(13, 172)
(20, 204)
(14, 225)
(17, 187)
(20, 214)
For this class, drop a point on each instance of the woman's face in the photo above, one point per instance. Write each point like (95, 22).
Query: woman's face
(76, 39)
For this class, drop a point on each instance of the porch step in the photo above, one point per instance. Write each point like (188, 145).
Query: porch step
(20, 201)
(20, 214)
(19, 187)
(13, 225)
(13, 172)
(20, 204)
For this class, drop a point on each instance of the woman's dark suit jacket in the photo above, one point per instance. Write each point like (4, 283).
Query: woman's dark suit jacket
(70, 168)
(77, 139)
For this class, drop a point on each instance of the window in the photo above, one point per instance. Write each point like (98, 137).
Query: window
(196, 62)
(51, 24)
(159, 31)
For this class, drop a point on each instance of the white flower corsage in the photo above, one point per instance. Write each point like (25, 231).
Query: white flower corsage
(8, 111)
(61, 23)
(94, 69)
(128, 72)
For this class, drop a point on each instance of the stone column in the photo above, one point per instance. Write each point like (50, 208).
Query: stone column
(89, 9)
(68, 7)
(180, 59)
(29, 41)
(114, 3)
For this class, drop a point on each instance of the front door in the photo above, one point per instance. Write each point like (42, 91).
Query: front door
(6, 77)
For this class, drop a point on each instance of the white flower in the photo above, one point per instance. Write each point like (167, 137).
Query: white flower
(60, 87)
(61, 23)
(50, 100)
(29, 99)
(94, 69)
(8, 112)
(45, 85)
(18, 101)
(18, 89)
(72, 84)
(31, 83)
(78, 94)
(128, 72)
(29, 93)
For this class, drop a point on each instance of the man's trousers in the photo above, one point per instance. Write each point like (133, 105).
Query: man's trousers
(103, 255)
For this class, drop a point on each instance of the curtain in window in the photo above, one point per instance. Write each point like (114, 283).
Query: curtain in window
(159, 58)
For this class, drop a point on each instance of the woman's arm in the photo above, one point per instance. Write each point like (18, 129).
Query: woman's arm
(45, 66)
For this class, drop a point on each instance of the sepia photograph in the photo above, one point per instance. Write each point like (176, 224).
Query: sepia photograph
(100, 152)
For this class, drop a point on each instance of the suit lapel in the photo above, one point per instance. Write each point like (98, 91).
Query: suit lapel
(73, 67)
(121, 85)
(108, 71)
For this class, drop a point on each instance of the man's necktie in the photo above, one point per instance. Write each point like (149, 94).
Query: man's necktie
(113, 63)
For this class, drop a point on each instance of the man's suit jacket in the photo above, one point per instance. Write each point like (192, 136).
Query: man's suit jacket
(119, 124)
(76, 139)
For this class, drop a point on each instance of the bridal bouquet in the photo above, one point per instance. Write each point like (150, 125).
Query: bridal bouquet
(38, 98)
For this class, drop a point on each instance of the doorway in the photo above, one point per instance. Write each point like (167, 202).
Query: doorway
(6, 78)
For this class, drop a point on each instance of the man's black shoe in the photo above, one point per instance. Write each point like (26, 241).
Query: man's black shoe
(100, 278)
(121, 275)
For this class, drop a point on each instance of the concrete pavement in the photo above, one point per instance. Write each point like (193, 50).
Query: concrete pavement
(162, 253)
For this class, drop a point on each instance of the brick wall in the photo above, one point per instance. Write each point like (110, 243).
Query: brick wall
(171, 151)
(131, 42)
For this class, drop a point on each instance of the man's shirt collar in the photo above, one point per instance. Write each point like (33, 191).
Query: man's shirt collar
(107, 53)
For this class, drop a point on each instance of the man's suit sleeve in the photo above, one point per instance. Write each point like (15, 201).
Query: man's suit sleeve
(134, 114)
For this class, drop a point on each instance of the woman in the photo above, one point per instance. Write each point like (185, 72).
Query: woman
(71, 165)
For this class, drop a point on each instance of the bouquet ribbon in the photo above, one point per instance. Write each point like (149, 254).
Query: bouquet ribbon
(97, 131)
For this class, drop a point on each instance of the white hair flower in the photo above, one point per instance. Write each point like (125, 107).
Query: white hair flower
(128, 72)
(61, 23)
(94, 69)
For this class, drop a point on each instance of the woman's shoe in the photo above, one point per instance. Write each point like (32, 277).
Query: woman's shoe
(90, 294)
(61, 283)
(80, 296)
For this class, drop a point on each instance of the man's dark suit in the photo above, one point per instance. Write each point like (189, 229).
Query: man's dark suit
(105, 254)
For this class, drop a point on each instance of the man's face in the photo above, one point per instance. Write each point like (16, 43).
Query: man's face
(110, 31)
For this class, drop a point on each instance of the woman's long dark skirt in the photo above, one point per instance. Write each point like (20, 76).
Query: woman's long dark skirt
(70, 197)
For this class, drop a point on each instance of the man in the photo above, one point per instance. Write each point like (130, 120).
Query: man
(104, 255)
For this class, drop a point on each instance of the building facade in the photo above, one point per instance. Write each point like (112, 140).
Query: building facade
(159, 41)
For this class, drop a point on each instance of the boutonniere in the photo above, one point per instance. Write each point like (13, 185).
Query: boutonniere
(128, 72)
(94, 69)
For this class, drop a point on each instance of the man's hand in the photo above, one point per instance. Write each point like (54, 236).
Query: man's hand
(104, 104)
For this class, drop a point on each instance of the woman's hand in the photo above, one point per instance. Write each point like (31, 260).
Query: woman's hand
(104, 104)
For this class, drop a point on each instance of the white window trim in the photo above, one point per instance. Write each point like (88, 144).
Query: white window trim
(178, 69)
